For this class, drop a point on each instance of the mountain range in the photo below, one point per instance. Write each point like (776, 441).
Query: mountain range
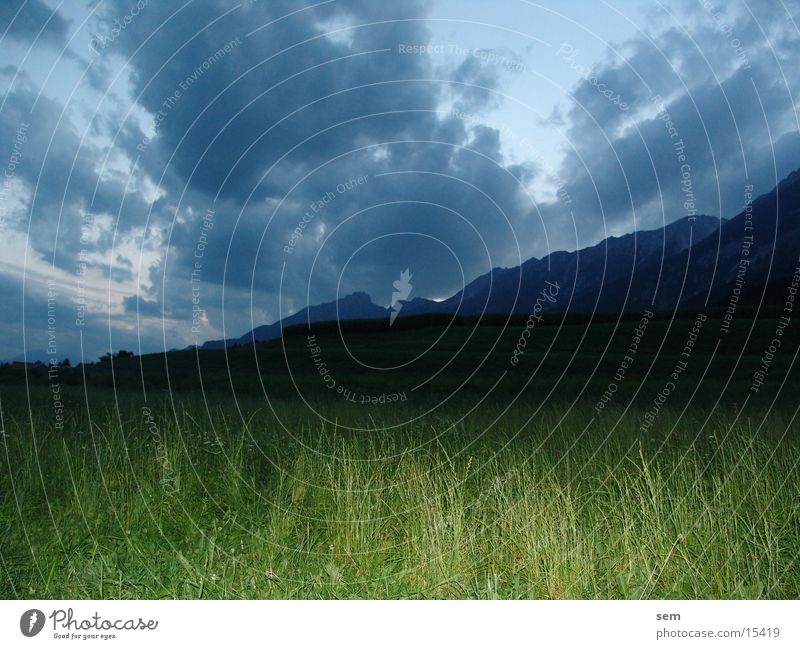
(694, 262)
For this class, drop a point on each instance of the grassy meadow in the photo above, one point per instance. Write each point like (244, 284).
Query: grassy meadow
(222, 475)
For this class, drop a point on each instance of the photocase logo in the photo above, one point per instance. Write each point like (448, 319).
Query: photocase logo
(402, 289)
(31, 622)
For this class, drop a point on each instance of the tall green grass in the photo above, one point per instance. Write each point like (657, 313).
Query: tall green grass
(214, 504)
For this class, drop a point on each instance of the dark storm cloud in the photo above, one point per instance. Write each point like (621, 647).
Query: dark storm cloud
(59, 171)
(243, 101)
(727, 109)
(25, 20)
(456, 195)
(142, 306)
(276, 121)
(479, 80)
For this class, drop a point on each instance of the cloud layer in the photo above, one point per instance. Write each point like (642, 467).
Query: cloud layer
(214, 167)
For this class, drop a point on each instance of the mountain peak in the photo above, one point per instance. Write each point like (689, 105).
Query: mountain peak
(790, 180)
(599, 276)
(357, 297)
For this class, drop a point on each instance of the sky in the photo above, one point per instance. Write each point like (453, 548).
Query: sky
(175, 172)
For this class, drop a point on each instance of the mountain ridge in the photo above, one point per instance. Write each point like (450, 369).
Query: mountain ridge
(630, 272)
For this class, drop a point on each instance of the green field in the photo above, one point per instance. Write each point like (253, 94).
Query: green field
(223, 475)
